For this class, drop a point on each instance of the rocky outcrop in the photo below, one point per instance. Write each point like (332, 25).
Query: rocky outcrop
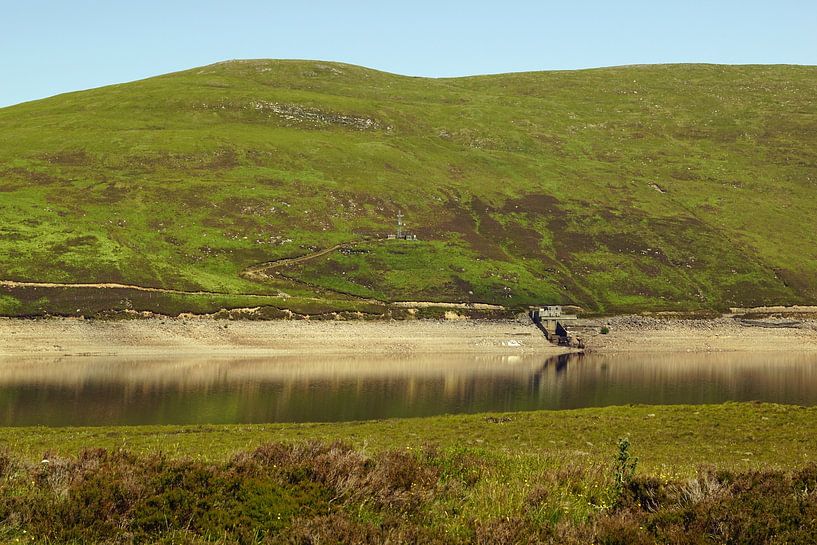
(296, 114)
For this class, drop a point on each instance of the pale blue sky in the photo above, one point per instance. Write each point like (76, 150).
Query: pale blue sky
(53, 46)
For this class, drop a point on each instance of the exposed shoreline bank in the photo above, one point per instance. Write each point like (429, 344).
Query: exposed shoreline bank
(71, 336)
(724, 334)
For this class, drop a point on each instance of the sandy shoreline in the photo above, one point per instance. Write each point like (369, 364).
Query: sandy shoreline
(70, 336)
(726, 334)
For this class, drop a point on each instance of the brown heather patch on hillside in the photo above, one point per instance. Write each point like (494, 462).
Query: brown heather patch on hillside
(71, 158)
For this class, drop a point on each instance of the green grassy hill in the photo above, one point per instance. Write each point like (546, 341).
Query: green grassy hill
(622, 189)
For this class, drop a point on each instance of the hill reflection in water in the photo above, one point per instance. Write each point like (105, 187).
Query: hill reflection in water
(106, 391)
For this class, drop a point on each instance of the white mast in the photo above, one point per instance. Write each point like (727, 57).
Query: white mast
(399, 224)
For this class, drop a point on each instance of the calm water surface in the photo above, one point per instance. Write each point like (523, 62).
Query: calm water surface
(98, 391)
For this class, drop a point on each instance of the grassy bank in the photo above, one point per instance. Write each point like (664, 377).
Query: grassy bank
(672, 440)
(734, 473)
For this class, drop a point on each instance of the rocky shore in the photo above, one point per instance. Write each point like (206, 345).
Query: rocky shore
(191, 335)
(73, 336)
(727, 333)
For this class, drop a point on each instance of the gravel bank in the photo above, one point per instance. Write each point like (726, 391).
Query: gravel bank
(649, 334)
(69, 336)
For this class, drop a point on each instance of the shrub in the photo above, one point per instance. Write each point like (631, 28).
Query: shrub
(621, 529)
(624, 469)
(648, 493)
(746, 508)
(330, 493)
(509, 531)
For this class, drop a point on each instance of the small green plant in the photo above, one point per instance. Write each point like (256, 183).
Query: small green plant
(624, 470)
(605, 330)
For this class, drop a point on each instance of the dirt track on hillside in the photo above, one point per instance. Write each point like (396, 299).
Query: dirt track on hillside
(258, 272)
(114, 285)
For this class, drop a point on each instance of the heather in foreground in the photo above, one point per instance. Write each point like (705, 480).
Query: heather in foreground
(332, 493)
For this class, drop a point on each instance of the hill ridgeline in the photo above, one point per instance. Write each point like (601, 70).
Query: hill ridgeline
(677, 187)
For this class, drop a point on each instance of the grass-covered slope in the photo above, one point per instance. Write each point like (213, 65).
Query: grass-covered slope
(635, 188)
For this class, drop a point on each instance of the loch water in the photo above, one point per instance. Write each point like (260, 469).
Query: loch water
(95, 391)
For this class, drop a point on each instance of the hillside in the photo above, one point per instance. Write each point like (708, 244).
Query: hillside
(676, 187)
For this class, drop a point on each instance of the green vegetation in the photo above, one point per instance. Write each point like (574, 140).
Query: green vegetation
(734, 473)
(624, 189)
(422, 271)
(672, 439)
(116, 303)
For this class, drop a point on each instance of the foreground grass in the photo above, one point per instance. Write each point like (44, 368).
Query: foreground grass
(671, 440)
(734, 473)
